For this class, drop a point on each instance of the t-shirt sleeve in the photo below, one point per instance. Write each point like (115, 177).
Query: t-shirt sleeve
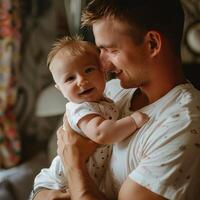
(167, 166)
(75, 112)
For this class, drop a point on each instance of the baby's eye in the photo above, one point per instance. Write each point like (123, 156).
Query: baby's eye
(89, 69)
(70, 78)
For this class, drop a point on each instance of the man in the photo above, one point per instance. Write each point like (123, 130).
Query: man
(139, 41)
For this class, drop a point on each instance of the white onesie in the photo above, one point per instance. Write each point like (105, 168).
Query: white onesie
(53, 177)
(106, 109)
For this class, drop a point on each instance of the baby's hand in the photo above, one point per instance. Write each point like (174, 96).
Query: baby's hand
(140, 118)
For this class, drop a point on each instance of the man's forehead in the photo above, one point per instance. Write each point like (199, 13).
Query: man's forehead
(106, 32)
(112, 25)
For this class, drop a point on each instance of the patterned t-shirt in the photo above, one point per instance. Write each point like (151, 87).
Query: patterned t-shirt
(163, 155)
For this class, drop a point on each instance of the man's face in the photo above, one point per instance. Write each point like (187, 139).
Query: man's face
(120, 54)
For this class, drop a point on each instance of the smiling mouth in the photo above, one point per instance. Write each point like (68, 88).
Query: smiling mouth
(85, 92)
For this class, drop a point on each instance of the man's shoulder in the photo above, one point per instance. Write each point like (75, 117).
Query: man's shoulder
(180, 108)
(182, 96)
(188, 97)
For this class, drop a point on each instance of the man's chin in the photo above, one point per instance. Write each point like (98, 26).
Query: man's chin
(126, 84)
(123, 84)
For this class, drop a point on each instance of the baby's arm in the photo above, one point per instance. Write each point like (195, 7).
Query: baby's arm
(104, 131)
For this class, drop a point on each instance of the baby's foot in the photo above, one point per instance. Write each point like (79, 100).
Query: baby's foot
(140, 118)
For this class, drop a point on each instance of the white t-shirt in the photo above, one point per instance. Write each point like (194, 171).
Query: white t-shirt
(163, 155)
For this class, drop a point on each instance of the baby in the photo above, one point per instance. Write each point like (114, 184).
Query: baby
(77, 72)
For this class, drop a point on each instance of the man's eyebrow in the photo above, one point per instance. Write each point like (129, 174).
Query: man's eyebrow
(106, 46)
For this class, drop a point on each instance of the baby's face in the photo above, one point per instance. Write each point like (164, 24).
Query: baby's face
(79, 78)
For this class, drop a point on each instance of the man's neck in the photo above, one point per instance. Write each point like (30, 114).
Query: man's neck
(138, 100)
(144, 96)
(166, 73)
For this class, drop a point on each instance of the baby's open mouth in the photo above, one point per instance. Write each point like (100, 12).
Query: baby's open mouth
(86, 91)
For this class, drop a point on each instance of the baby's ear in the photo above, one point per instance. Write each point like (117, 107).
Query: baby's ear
(57, 87)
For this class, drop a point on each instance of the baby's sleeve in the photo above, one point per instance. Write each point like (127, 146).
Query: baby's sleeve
(75, 112)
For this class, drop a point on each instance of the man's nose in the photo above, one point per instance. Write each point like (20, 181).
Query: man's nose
(106, 63)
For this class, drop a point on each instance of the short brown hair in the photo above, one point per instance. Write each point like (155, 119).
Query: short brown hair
(75, 46)
(164, 16)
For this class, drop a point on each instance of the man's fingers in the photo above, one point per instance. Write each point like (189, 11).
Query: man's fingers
(60, 134)
(60, 194)
(60, 144)
(66, 125)
(65, 195)
(65, 118)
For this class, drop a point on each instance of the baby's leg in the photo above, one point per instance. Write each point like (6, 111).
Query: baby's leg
(139, 118)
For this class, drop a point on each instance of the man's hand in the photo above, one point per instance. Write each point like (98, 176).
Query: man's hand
(73, 149)
(52, 195)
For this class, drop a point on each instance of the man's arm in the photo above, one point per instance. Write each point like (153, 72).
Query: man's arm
(52, 195)
(132, 190)
(81, 186)
(74, 150)
(104, 131)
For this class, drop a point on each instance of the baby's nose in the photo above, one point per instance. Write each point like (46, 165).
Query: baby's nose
(82, 82)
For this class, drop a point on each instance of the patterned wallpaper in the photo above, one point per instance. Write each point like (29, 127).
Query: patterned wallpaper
(43, 24)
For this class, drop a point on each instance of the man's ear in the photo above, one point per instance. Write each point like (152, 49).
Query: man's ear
(57, 87)
(154, 42)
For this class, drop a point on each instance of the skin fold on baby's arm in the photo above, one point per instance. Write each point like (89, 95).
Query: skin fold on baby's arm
(103, 131)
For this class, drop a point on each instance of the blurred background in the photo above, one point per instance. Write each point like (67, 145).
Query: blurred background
(31, 109)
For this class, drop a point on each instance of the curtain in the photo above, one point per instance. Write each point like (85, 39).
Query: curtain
(9, 60)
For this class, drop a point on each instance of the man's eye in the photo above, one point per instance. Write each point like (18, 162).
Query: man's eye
(113, 51)
(89, 69)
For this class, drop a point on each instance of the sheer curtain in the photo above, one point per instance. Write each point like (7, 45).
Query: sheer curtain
(9, 61)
